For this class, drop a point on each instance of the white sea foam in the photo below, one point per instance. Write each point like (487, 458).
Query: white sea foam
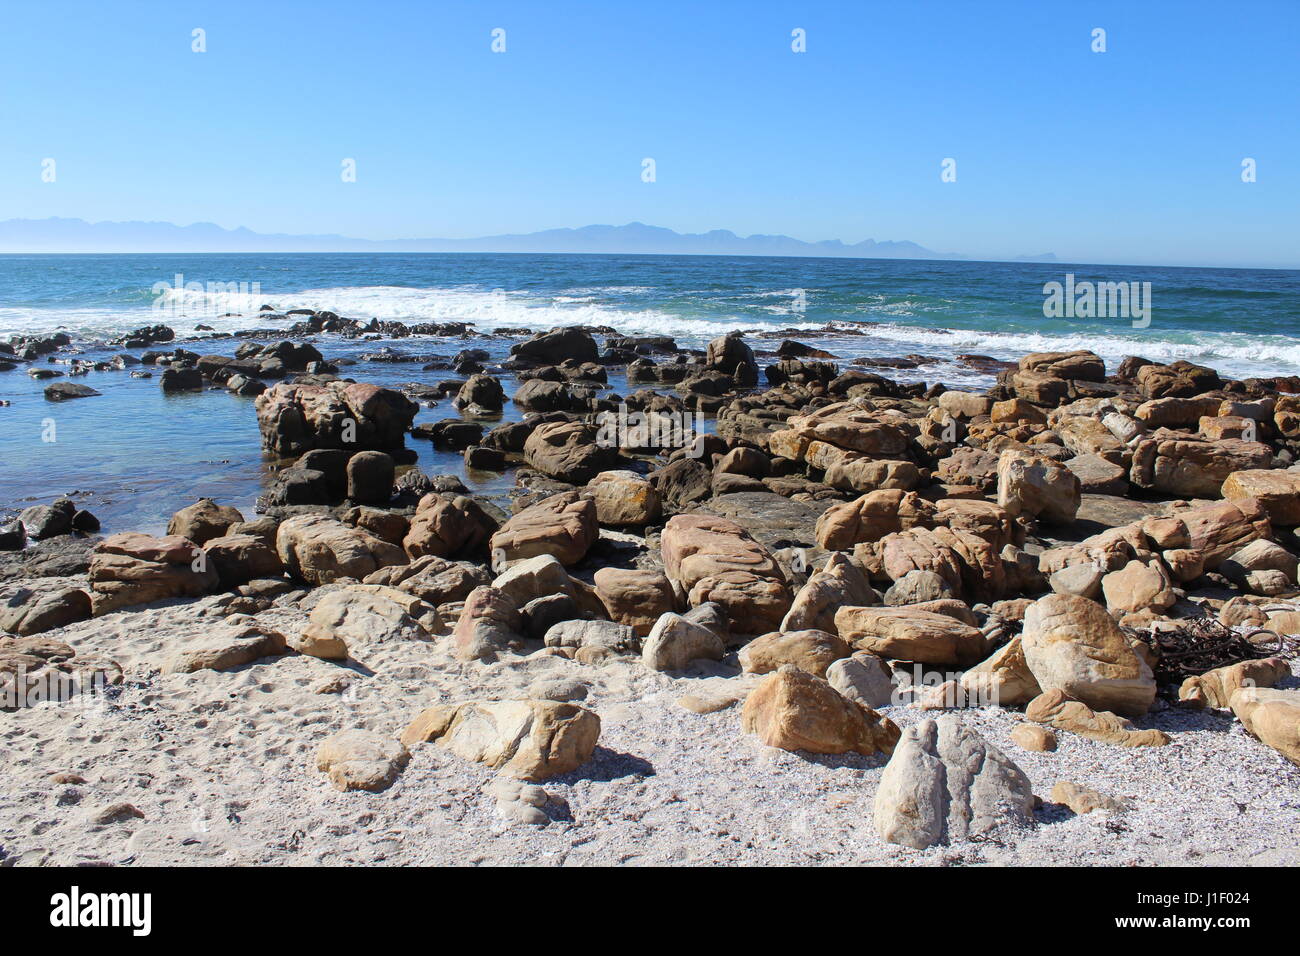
(491, 309)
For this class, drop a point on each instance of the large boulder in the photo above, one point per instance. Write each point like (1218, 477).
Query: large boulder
(1176, 464)
(840, 583)
(489, 623)
(203, 520)
(562, 525)
(871, 517)
(362, 614)
(447, 525)
(240, 558)
(715, 559)
(1073, 645)
(348, 415)
(568, 451)
(553, 347)
(945, 783)
(674, 642)
(911, 633)
(27, 610)
(1271, 715)
(432, 579)
(1278, 491)
(809, 650)
(524, 739)
(624, 499)
(319, 549)
(634, 597)
(793, 710)
(129, 568)
(1036, 486)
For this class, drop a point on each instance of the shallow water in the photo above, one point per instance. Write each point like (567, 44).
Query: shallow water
(134, 455)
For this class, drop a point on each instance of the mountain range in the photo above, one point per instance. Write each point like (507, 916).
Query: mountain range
(77, 235)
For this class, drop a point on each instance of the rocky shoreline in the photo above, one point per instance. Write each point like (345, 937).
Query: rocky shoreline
(923, 624)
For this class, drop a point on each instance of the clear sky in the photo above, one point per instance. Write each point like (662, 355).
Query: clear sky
(1131, 155)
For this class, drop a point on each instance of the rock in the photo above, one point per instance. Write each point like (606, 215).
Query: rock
(1246, 567)
(346, 415)
(1032, 485)
(794, 710)
(319, 550)
(234, 643)
(370, 478)
(178, 378)
(61, 391)
(553, 347)
(1056, 708)
(121, 812)
(562, 525)
(674, 642)
(918, 586)
(1082, 799)
(682, 483)
(365, 614)
(26, 611)
(809, 650)
(1083, 580)
(48, 521)
(624, 499)
(1273, 716)
(1138, 586)
(447, 525)
(127, 569)
(911, 634)
(1098, 476)
(569, 451)
(1174, 464)
(871, 517)
(635, 598)
(489, 622)
(840, 582)
(240, 558)
(478, 458)
(203, 521)
(863, 678)
(361, 760)
(432, 579)
(946, 784)
(389, 525)
(615, 638)
(1072, 645)
(715, 560)
(1003, 679)
(730, 355)
(1215, 688)
(481, 395)
(532, 578)
(965, 404)
(1277, 491)
(525, 739)
(520, 802)
(1033, 737)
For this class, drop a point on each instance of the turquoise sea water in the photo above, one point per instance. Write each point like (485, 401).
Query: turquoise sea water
(135, 455)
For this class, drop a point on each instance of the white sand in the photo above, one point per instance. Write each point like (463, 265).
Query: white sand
(221, 766)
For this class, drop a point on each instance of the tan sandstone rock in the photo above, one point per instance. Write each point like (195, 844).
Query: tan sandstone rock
(794, 710)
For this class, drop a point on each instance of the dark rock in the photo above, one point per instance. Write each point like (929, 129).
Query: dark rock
(61, 391)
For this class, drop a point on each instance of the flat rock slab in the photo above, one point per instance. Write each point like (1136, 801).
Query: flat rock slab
(772, 519)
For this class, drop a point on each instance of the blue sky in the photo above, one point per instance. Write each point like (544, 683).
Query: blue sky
(1132, 155)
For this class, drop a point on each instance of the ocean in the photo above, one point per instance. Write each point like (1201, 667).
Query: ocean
(133, 455)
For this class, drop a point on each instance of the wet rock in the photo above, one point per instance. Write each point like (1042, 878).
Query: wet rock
(339, 415)
(62, 391)
(48, 521)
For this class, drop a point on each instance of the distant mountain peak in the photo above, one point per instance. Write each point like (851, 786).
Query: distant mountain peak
(637, 238)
